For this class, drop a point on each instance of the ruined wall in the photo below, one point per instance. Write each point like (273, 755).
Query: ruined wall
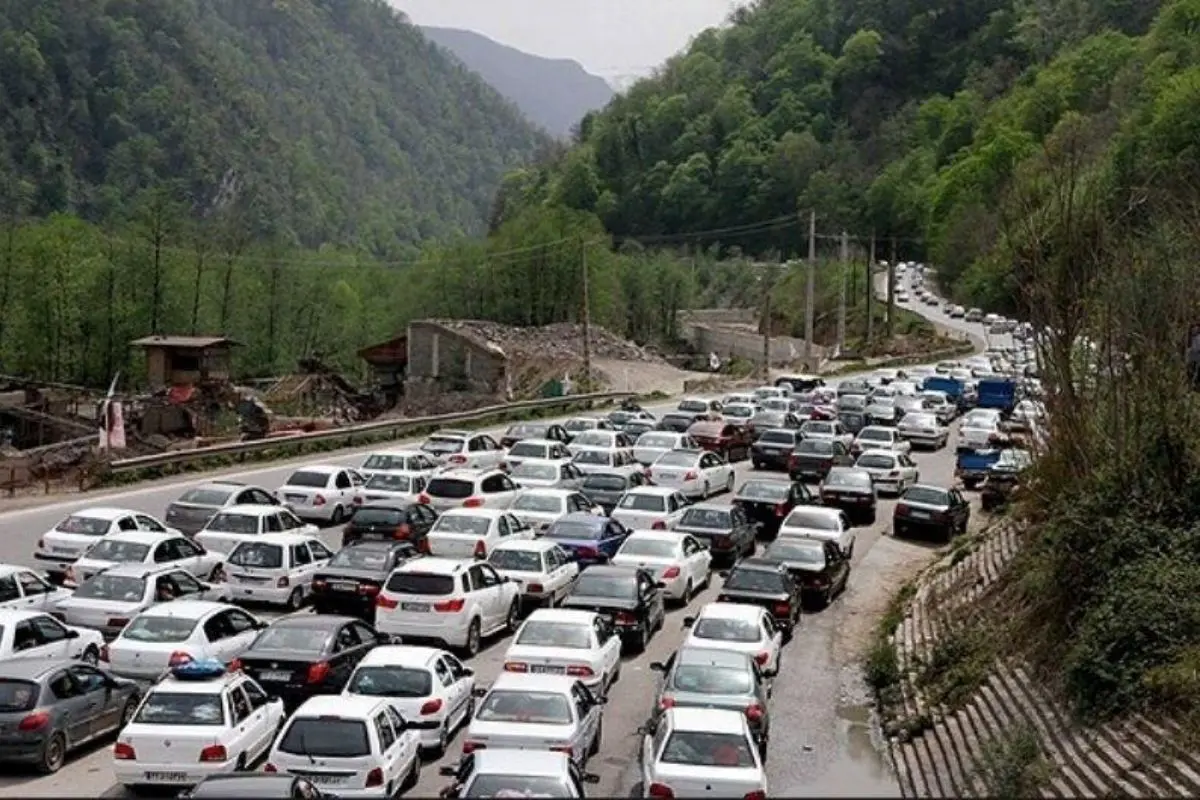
(732, 333)
(443, 360)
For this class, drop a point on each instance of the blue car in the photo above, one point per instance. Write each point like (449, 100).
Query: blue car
(588, 538)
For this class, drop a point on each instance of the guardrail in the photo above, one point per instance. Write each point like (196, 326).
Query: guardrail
(350, 433)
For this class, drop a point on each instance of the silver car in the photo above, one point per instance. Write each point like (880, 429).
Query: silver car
(197, 505)
(107, 601)
(547, 474)
(707, 677)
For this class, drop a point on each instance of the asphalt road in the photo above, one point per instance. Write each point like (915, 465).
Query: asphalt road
(823, 736)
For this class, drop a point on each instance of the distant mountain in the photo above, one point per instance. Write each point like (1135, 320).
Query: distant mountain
(553, 93)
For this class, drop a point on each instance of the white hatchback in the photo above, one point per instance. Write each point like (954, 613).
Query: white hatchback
(698, 752)
(556, 641)
(474, 532)
(540, 508)
(276, 568)
(470, 488)
(67, 541)
(737, 626)
(678, 561)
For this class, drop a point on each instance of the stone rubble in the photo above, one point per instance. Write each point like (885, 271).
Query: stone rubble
(558, 342)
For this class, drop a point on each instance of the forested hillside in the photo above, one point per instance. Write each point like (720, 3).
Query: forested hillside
(312, 121)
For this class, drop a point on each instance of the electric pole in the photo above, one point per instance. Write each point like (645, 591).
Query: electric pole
(810, 287)
(845, 259)
(871, 290)
(768, 279)
(587, 316)
(891, 286)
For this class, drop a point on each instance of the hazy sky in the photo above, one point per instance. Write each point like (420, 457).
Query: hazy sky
(609, 37)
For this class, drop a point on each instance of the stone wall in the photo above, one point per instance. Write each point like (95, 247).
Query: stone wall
(731, 333)
(444, 360)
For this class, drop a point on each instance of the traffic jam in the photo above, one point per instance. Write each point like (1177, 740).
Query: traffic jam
(232, 650)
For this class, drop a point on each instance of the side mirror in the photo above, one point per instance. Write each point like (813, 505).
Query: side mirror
(468, 672)
(260, 625)
(205, 587)
(689, 622)
(274, 698)
(383, 638)
(645, 730)
(72, 634)
(591, 777)
(479, 691)
(724, 574)
(658, 666)
(660, 584)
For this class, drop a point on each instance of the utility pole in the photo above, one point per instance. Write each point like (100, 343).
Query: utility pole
(587, 316)
(768, 279)
(871, 290)
(845, 259)
(810, 288)
(891, 295)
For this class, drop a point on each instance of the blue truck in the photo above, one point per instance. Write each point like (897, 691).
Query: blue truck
(973, 466)
(998, 393)
(951, 387)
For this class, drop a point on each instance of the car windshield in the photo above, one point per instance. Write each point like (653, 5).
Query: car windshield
(326, 737)
(692, 406)
(545, 504)
(158, 630)
(88, 526)
(851, 478)
(181, 708)
(818, 447)
(768, 419)
(257, 555)
(528, 450)
(442, 445)
(293, 637)
(742, 412)
(525, 431)
(592, 584)
(568, 529)
(578, 424)
(605, 483)
(657, 440)
(420, 583)
(116, 550)
(390, 482)
(677, 458)
(874, 435)
(311, 480)
(538, 472)
(755, 580)
(636, 501)
(462, 523)
(118, 588)
(379, 515)
(772, 491)
(546, 633)
(920, 421)
(711, 679)
(923, 494)
(233, 523)
(536, 708)
(205, 497)
(808, 518)
(656, 548)
(385, 462)
(593, 439)
(777, 437)
(17, 695)
(602, 457)
(715, 518)
(800, 552)
(726, 630)
(876, 461)
(505, 785)
(516, 560)
(367, 558)
(817, 428)
(450, 488)
(391, 681)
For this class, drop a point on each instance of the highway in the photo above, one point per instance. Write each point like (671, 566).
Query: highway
(822, 741)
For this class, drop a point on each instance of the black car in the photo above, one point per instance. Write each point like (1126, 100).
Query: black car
(349, 582)
(679, 421)
(758, 582)
(534, 430)
(302, 656)
(773, 448)
(391, 520)
(853, 491)
(853, 421)
(853, 386)
(924, 509)
(765, 420)
(635, 428)
(254, 786)
(630, 595)
(606, 488)
(819, 567)
(767, 503)
(727, 530)
(813, 458)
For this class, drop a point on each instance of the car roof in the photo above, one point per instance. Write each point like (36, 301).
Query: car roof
(759, 564)
(11, 569)
(562, 615)
(251, 509)
(477, 511)
(328, 469)
(620, 570)
(403, 451)
(140, 570)
(346, 706)
(503, 761)
(539, 683)
(245, 784)
(542, 442)
(393, 504)
(662, 491)
(657, 536)
(433, 566)
(450, 433)
(711, 507)
(829, 512)
(329, 622)
(716, 720)
(465, 474)
(550, 492)
(400, 655)
(281, 539)
(731, 611)
(695, 654)
(103, 512)
(186, 609)
(141, 537)
(30, 669)
(540, 545)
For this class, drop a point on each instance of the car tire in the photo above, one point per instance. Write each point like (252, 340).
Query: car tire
(295, 600)
(471, 648)
(54, 754)
(338, 516)
(729, 484)
(688, 592)
(643, 638)
(512, 620)
(128, 711)
(706, 492)
(594, 747)
(91, 656)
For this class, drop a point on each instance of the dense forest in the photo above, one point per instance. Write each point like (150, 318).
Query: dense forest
(309, 121)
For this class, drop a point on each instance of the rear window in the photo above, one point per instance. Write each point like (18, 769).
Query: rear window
(116, 550)
(293, 637)
(566, 529)
(17, 695)
(88, 526)
(385, 462)
(181, 708)
(814, 446)
(804, 518)
(313, 480)
(442, 445)
(654, 548)
(801, 552)
(504, 785)
(876, 461)
(452, 488)
(119, 588)
(774, 491)
(676, 458)
(368, 515)
(609, 483)
(516, 560)
(536, 471)
(726, 630)
(462, 523)
(706, 518)
(593, 439)
(755, 580)
(602, 457)
(875, 435)
(921, 494)
(643, 502)
(778, 437)
(391, 681)
(330, 737)
(421, 583)
(818, 428)
(656, 440)
(528, 450)
(526, 431)
(257, 555)
(711, 679)
(848, 477)
(533, 708)
(361, 558)
(158, 630)
(390, 483)
(549, 633)
(233, 523)
(592, 584)
(693, 406)
(205, 497)
(540, 503)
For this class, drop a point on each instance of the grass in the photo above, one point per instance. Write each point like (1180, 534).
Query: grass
(1013, 765)
(958, 663)
(881, 667)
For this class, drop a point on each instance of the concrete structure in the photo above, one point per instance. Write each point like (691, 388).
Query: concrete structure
(733, 333)
(185, 360)
(389, 365)
(441, 359)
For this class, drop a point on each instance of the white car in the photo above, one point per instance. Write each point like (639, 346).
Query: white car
(694, 473)
(106, 602)
(592, 459)
(464, 450)
(170, 634)
(406, 486)
(923, 429)
(768, 392)
(816, 522)
(539, 508)
(826, 429)
(276, 568)
(350, 746)
(558, 641)
(470, 488)
(676, 560)
(577, 425)
(652, 444)
(229, 528)
(878, 437)
(147, 548)
(322, 493)
(1029, 411)
(67, 541)
(450, 602)
(656, 508)
(940, 405)
(517, 773)
(599, 440)
(978, 429)
(537, 712)
(698, 752)
(36, 634)
(537, 450)
(741, 412)
(23, 589)
(200, 720)
(420, 683)
(544, 571)
(891, 472)
(699, 405)
(532, 473)
(738, 398)
(741, 627)
(474, 532)
(413, 462)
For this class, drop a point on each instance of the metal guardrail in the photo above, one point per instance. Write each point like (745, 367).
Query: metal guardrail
(349, 433)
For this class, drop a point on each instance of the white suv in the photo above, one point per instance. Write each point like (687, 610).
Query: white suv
(451, 602)
(470, 488)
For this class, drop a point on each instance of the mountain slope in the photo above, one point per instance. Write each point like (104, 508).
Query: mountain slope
(554, 93)
(335, 119)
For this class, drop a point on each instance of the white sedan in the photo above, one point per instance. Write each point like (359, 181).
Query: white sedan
(978, 429)
(599, 440)
(815, 522)
(540, 508)
(891, 472)
(22, 588)
(36, 634)
(593, 459)
(737, 626)
(650, 507)
(652, 444)
(694, 473)
(679, 561)
(698, 752)
(534, 473)
(924, 429)
(474, 532)
(556, 641)
(174, 633)
(145, 547)
(878, 437)
(67, 540)
(410, 461)
(543, 570)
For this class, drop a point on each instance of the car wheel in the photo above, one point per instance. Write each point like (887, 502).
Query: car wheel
(643, 637)
(514, 617)
(688, 592)
(594, 747)
(128, 711)
(54, 754)
(215, 573)
(295, 599)
(729, 484)
(471, 649)
(91, 656)
(338, 516)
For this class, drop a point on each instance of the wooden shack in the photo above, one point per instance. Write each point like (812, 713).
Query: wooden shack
(389, 365)
(186, 360)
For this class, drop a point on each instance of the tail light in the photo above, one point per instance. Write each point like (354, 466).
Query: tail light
(671, 572)
(357, 500)
(625, 618)
(782, 609)
(781, 510)
(125, 752)
(473, 502)
(35, 721)
(470, 747)
(431, 707)
(580, 671)
(402, 532)
(456, 460)
(757, 794)
(480, 550)
(179, 658)
(762, 658)
(516, 666)
(375, 777)
(564, 748)
(319, 500)
(317, 672)
(423, 546)
(269, 767)
(283, 582)
(901, 510)
(660, 790)
(722, 541)
(320, 584)
(587, 552)
(450, 606)
(369, 589)
(423, 499)
(658, 525)
(214, 752)
(691, 475)
(535, 588)
(104, 652)
(236, 665)
(755, 712)
(383, 601)
(117, 622)
(666, 702)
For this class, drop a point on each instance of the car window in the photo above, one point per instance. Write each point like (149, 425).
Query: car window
(31, 584)
(49, 629)
(8, 589)
(149, 524)
(342, 481)
(300, 555)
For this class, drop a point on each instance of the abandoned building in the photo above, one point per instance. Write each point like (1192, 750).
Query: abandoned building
(181, 361)
(389, 366)
(442, 358)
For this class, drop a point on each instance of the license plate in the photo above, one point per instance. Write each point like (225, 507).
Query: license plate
(325, 780)
(295, 498)
(344, 586)
(63, 550)
(172, 777)
(414, 606)
(920, 514)
(546, 670)
(277, 675)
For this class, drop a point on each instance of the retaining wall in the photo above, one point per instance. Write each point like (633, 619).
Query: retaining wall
(441, 359)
